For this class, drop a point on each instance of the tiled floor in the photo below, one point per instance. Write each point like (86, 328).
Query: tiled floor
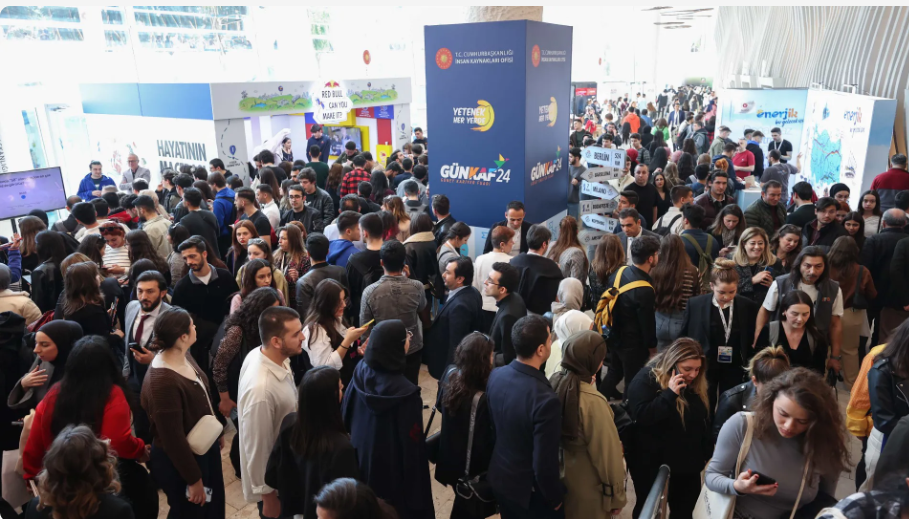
(443, 497)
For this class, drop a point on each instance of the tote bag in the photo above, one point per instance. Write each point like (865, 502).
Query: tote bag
(714, 505)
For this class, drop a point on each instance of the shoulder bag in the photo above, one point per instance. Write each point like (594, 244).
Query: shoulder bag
(432, 442)
(206, 431)
(475, 492)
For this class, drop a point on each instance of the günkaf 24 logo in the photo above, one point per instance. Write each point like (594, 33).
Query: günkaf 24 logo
(476, 175)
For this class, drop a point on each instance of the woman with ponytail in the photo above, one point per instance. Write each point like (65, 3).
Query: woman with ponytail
(723, 324)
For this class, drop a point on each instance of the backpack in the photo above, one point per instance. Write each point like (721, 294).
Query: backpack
(604, 310)
(705, 262)
(666, 230)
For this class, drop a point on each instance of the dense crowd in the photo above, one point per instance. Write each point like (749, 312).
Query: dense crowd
(303, 306)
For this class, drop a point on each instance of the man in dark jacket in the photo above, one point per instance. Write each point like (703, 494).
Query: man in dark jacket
(824, 229)
(714, 200)
(633, 335)
(300, 212)
(317, 247)
(315, 198)
(754, 146)
(441, 210)
(767, 212)
(514, 218)
(527, 418)
(540, 276)
(223, 208)
(803, 211)
(323, 142)
(889, 271)
(198, 221)
(501, 285)
(69, 225)
(460, 315)
(576, 139)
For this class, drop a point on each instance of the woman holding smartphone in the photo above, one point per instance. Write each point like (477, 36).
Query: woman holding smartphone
(668, 402)
(756, 264)
(797, 451)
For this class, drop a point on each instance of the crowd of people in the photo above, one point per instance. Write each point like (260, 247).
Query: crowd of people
(303, 305)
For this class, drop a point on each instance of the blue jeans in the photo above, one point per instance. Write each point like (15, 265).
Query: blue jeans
(668, 328)
(574, 210)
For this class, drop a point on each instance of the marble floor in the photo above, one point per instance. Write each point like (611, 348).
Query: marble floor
(443, 497)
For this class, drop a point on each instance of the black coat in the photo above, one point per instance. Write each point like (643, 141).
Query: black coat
(109, 507)
(15, 360)
(540, 278)
(658, 434)
(421, 257)
(697, 324)
(384, 413)
(47, 285)
(460, 315)
(877, 254)
(732, 401)
(441, 228)
(511, 308)
(828, 235)
(525, 226)
(454, 435)
(298, 479)
(801, 216)
(889, 394)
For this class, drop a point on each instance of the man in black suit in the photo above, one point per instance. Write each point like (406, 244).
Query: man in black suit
(460, 315)
(540, 276)
(501, 285)
(514, 219)
(803, 209)
(527, 418)
(630, 222)
(877, 255)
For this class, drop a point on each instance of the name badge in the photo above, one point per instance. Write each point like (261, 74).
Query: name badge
(724, 354)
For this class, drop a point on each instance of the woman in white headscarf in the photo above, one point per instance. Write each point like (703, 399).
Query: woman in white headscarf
(570, 323)
(569, 297)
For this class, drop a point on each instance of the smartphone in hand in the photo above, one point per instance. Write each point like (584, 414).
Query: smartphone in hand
(762, 479)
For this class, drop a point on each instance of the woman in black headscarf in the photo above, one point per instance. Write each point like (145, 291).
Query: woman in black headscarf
(384, 413)
(53, 342)
(592, 452)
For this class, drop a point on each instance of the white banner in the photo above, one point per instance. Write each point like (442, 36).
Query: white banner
(601, 174)
(609, 157)
(605, 191)
(591, 238)
(598, 206)
(331, 104)
(600, 222)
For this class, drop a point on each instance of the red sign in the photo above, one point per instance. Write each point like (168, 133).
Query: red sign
(535, 55)
(589, 91)
(365, 112)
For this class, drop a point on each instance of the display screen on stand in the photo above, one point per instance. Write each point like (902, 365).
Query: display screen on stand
(24, 191)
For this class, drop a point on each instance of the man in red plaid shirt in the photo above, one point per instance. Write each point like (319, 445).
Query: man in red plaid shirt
(353, 178)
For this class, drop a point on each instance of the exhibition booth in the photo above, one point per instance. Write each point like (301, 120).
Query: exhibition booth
(168, 125)
(842, 137)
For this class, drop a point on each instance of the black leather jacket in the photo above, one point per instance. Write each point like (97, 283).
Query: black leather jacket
(47, 284)
(732, 401)
(888, 393)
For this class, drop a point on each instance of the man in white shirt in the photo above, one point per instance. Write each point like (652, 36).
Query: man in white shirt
(811, 264)
(673, 219)
(502, 244)
(266, 197)
(266, 395)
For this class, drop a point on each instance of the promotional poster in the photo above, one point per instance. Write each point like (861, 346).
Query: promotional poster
(764, 110)
(494, 93)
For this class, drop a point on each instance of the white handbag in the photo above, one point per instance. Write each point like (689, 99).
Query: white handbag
(206, 431)
(714, 505)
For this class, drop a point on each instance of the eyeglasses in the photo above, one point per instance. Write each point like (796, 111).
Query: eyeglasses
(489, 281)
(110, 230)
(294, 197)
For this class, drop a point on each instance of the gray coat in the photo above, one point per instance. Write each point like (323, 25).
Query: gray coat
(306, 285)
(20, 398)
(396, 297)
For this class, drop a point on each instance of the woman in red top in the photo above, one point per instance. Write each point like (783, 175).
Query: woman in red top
(743, 160)
(93, 392)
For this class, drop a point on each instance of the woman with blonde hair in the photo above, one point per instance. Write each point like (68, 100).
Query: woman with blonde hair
(723, 324)
(671, 174)
(395, 206)
(568, 252)
(799, 440)
(667, 401)
(79, 480)
(763, 367)
(609, 256)
(756, 264)
(675, 281)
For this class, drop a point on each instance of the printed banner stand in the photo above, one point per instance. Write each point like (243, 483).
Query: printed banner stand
(600, 222)
(497, 105)
(603, 164)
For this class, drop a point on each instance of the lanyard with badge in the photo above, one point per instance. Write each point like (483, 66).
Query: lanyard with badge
(724, 353)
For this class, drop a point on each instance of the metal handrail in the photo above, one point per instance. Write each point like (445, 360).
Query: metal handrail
(656, 503)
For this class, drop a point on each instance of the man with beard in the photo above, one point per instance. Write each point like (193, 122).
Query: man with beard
(140, 321)
(266, 395)
(575, 170)
(203, 293)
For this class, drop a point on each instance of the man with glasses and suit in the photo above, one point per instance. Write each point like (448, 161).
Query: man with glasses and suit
(133, 172)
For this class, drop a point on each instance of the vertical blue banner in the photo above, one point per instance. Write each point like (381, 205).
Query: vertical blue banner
(475, 116)
(487, 87)
(548, 64)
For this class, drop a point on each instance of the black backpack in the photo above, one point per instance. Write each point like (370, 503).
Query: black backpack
(666, 230)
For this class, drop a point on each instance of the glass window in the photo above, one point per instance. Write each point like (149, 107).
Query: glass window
(45, 14)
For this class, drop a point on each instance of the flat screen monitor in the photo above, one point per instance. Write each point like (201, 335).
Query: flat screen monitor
(23, 191)
(341, 135)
